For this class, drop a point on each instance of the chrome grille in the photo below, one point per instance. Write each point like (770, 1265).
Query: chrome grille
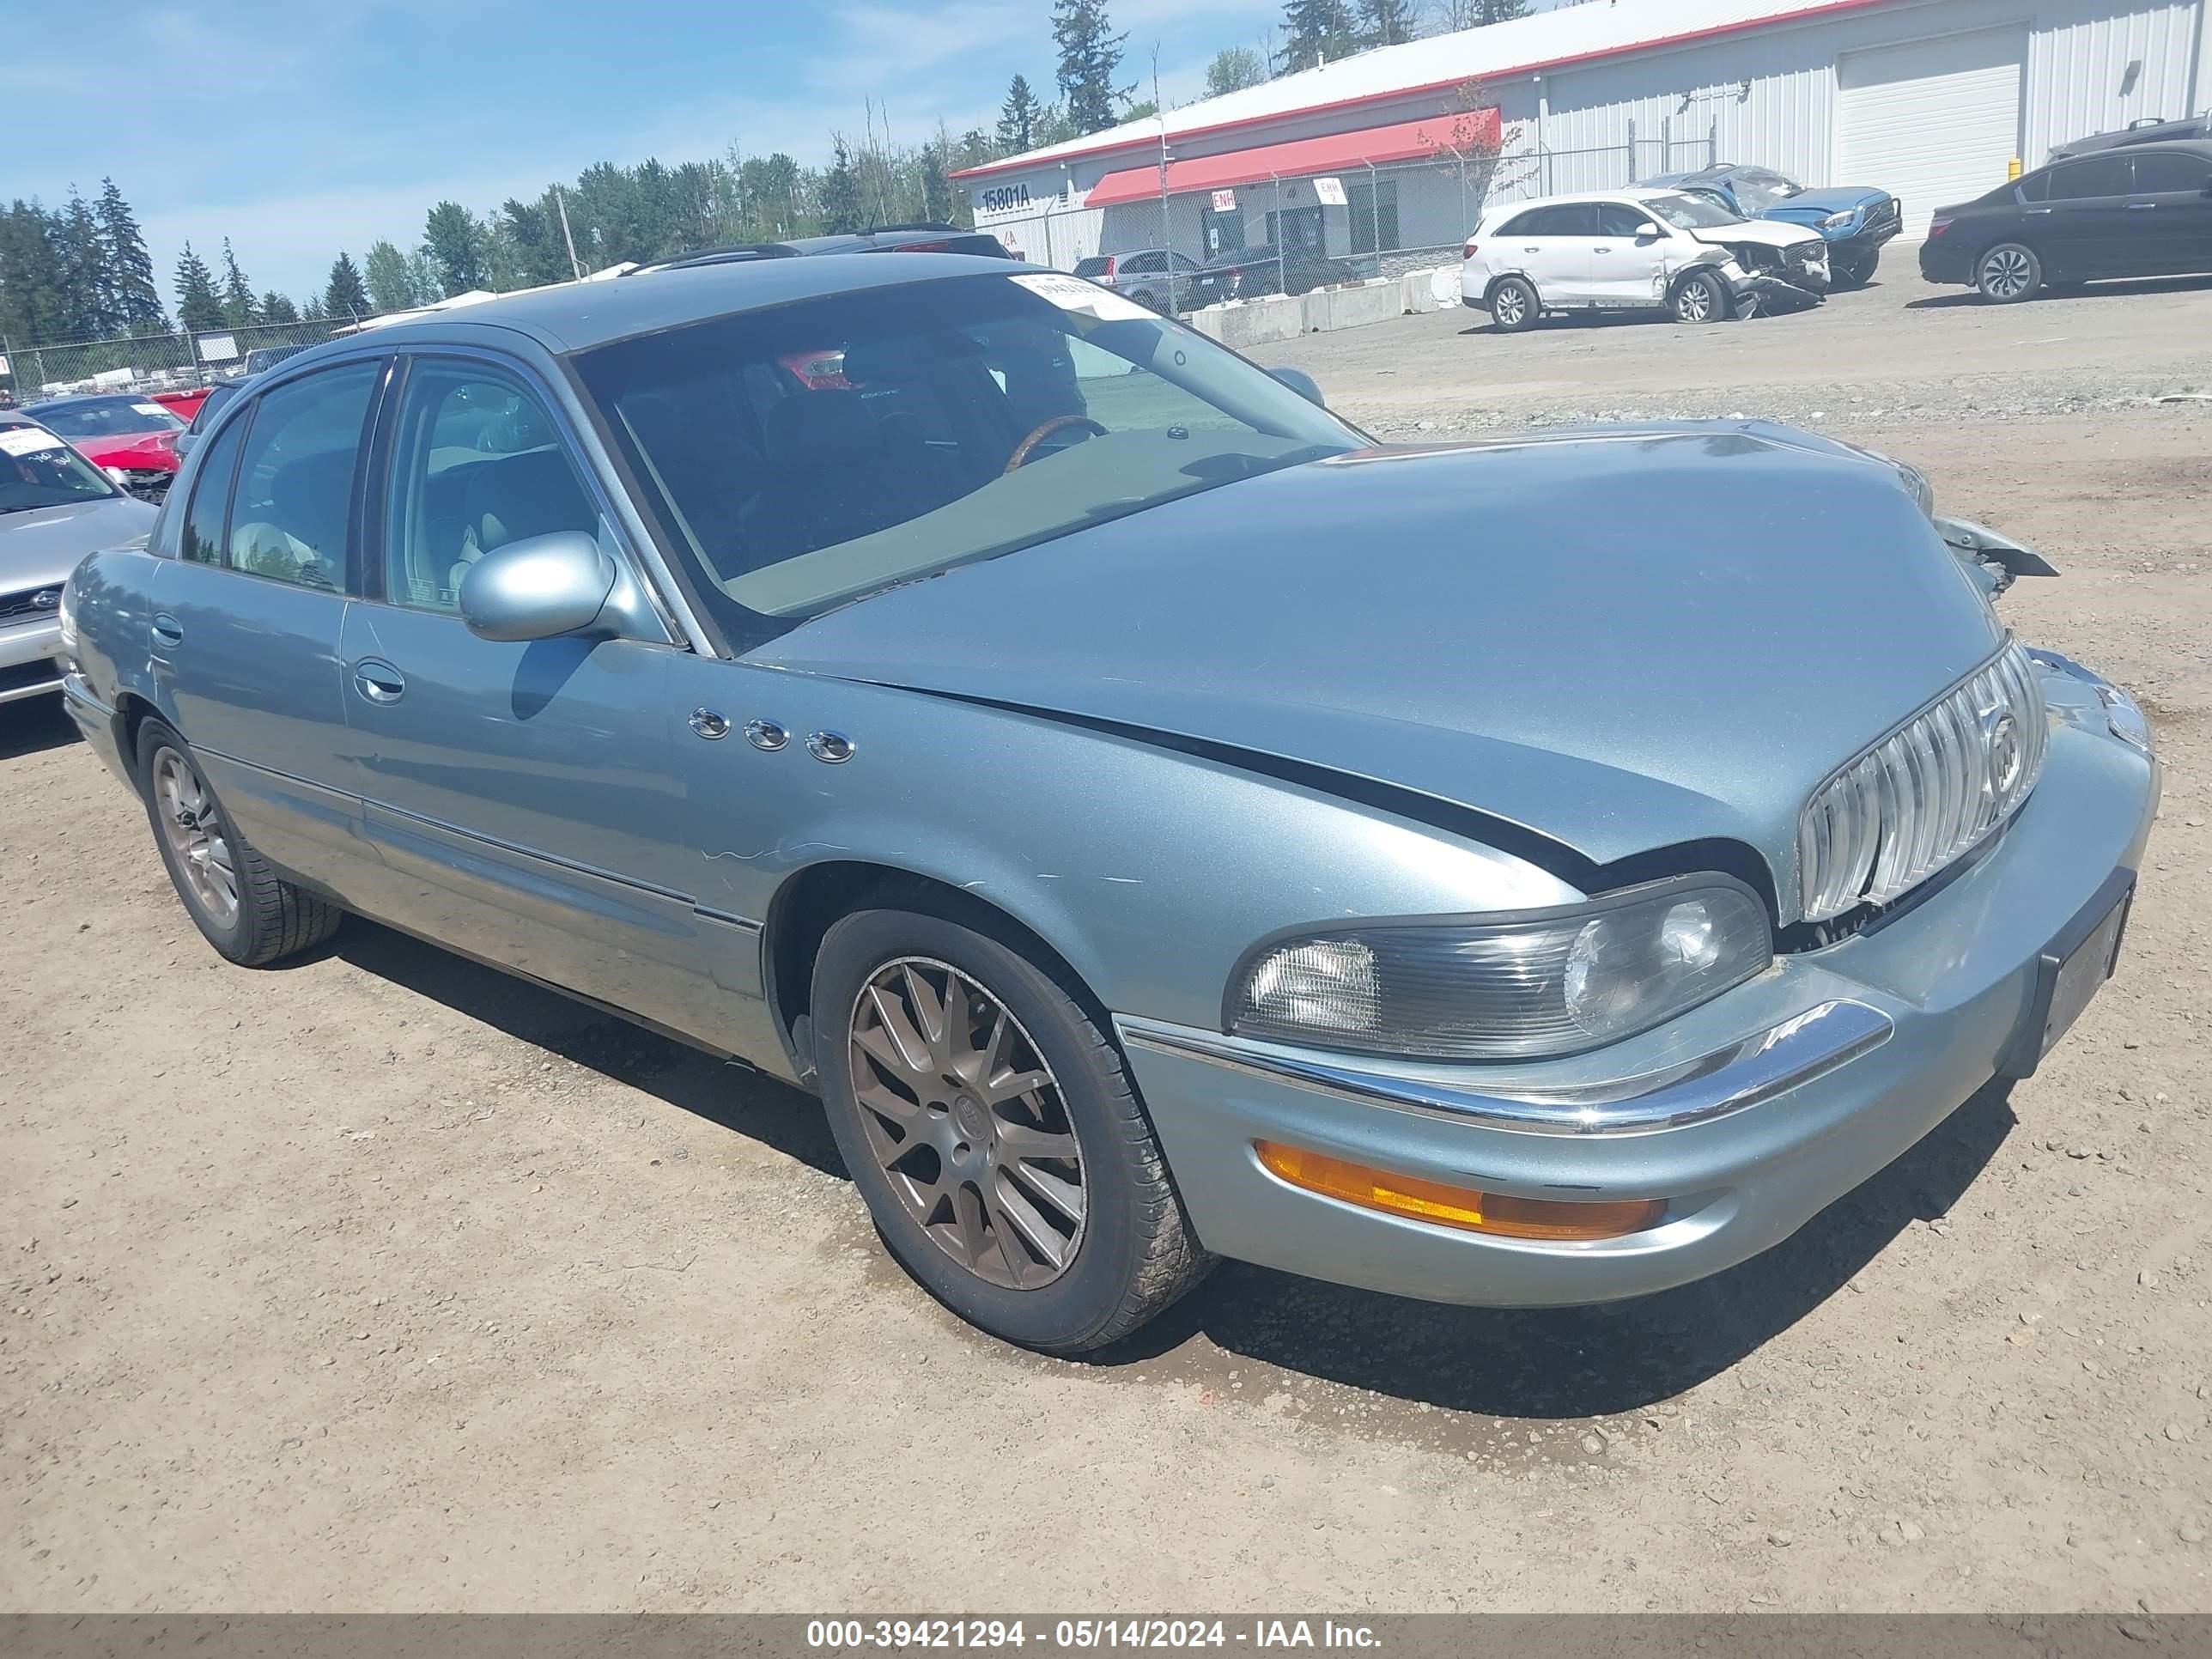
(1927, 793)
(30, 602)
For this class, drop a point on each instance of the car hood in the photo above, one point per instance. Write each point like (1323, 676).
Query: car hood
(44, 543)
(1811, 205)
(141, 449)
(1772, 232)
(1620, 639)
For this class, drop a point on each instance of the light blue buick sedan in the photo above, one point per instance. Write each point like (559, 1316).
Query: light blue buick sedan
(1160, 823)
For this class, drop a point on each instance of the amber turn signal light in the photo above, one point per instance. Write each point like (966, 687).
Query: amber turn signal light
(1456, 1206)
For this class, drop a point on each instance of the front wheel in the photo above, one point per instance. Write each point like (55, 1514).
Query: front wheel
(1513, 305)
(249, 913)
(988, 1125)
(1855, 272)
(2009, 273)
(1700, 299)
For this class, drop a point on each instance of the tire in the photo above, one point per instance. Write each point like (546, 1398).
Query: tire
(1514, 305)
(1855, 273)
(923, 1154)
(268, 917)
(1700, 297)
(2007, 273)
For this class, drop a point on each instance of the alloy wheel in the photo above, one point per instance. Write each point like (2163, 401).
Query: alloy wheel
(2005, 274)
(966, 1120)
(194, 830)
(1694, 304)
(1507, 307)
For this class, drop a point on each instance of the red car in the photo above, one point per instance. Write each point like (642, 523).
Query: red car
(133, 437)
(183, 405)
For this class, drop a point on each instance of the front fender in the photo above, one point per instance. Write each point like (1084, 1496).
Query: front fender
(1148, 871)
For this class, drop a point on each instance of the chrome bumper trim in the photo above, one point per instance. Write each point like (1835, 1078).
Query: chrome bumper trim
(1728, 1080)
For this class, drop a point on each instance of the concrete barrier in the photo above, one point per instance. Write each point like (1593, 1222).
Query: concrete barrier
(1430, 290)
(1243, 323)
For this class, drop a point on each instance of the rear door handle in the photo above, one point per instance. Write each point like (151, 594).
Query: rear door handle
(2038, 210)
(379, 681)
(2142, 206)
(167, 630)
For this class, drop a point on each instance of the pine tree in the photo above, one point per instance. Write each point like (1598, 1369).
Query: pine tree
(389, 288)
(1090, 53)
(344, 297)
(1234, 69)
(1018, 117)
(455, 243)
(136, 300)
(77, 239)
(1387, 22)
(197, 305)
(1316, 31)
(240, 308)
(276, 308)
(841, 189)
(33, 305)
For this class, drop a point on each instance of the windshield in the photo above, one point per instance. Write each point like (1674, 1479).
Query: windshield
(36, 469)
(1758, 190)
(108, 417)
(966, 418)
(1690, 212)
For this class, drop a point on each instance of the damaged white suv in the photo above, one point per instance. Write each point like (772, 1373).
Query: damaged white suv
(1636, 250)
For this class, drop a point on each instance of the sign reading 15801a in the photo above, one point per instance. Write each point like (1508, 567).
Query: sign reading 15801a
(1000, 199)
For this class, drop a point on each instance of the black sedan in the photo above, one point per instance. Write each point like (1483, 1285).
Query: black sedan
(1266, 269)
(2145, 210)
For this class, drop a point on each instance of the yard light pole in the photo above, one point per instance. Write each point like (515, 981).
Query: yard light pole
(1167, 238)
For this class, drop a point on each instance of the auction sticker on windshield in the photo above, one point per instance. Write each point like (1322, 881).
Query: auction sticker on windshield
(26, 441)
(1073, 293)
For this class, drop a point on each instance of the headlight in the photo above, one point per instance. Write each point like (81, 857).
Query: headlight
(1543, 983)
(1837, 220)
(66, 606)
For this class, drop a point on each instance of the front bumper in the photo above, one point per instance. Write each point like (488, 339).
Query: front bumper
(1748, 1116)
(27, 668)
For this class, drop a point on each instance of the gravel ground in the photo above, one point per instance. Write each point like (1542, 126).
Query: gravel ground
(384, 1283)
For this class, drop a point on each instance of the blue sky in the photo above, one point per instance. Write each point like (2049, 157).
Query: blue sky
(297, 129)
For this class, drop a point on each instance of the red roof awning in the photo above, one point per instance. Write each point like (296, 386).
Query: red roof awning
(1432, 138)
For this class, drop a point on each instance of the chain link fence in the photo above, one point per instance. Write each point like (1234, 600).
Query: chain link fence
(157, 362)
(1184, 251)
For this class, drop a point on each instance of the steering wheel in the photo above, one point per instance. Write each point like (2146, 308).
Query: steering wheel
(1057, 423)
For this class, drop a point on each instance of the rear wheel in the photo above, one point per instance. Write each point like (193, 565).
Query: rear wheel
(1700, 298)
(2007, 273)
(244, 908)
(987, 1123)
(1513, 305)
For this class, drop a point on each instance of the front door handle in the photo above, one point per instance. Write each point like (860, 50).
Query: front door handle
(379, 681)
(2142, 207)
(166, 630)
(1600, 249)
(2036, 210)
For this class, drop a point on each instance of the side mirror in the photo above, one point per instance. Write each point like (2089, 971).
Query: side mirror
(1302, 383)
(537, 587)
(185, 441)
(1649, 231)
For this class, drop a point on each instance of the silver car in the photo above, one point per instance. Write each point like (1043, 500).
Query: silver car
(55, 507)
(1160, 823)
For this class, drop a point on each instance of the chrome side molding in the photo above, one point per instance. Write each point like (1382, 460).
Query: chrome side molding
(1728, 1079)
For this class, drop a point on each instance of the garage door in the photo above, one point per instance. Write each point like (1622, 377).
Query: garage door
(1935, 122)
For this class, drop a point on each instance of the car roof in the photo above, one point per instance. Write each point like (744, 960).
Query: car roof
(1625, 193)
(2161, 146)
(68, 399)
(574, 317)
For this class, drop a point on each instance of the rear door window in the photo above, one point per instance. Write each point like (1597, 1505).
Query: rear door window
(1570, 219)
(292, 511)
(2086, 180)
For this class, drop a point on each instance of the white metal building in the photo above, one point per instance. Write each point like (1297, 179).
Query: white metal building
(1932, 100)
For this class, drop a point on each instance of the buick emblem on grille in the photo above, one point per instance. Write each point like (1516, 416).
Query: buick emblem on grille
(2001, 742)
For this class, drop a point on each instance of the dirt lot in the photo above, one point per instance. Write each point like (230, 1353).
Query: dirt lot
(384, 1282)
